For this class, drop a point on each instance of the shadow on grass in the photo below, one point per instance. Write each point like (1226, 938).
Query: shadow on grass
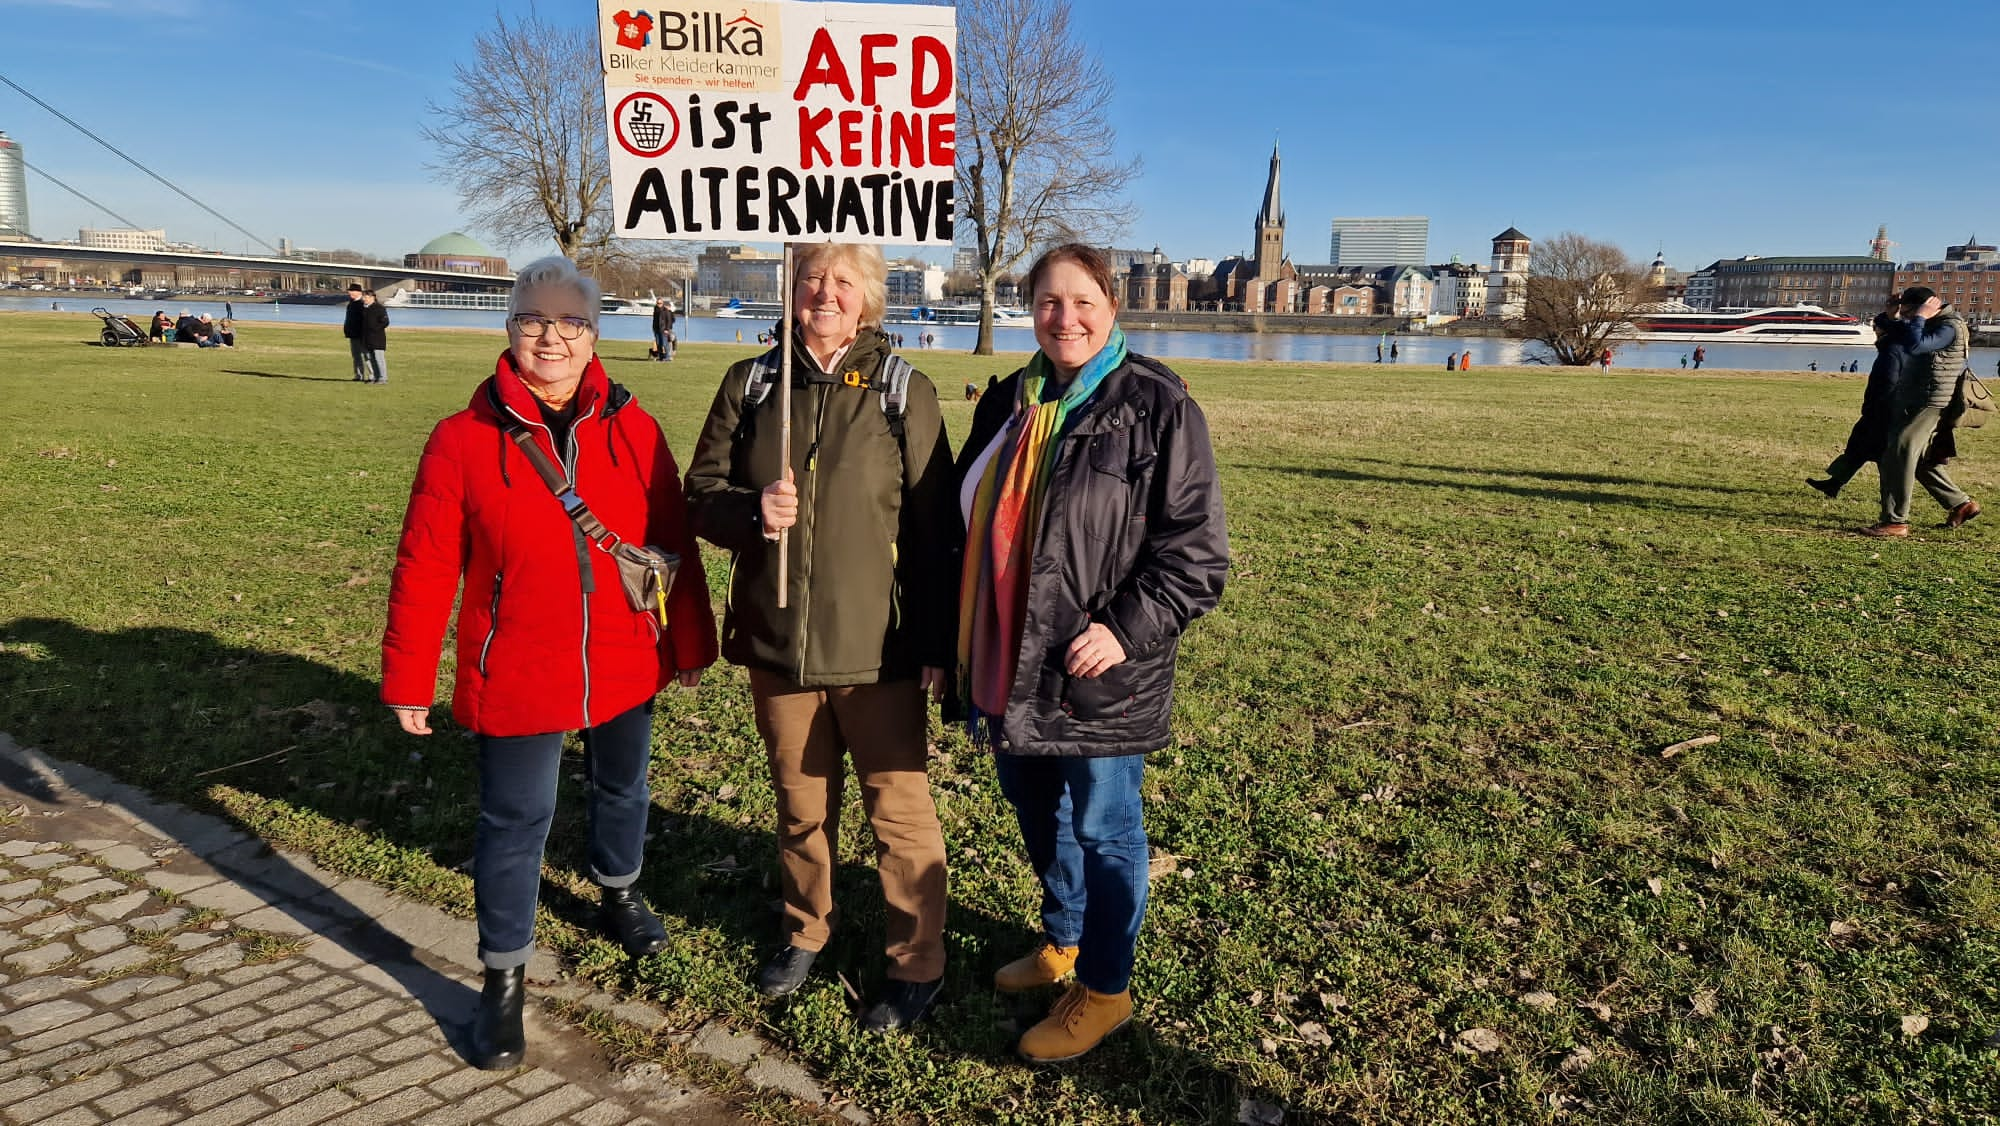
(1595, 497)
(282, 375)
(1568, 478)
(173, 712)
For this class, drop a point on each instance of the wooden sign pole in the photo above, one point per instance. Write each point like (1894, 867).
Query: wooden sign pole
(785, 424)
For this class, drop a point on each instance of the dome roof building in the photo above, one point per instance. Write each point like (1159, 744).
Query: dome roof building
(457, 252)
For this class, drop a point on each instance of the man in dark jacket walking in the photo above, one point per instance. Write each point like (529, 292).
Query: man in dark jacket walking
(352, 328)
(1871, 430)
(1940, 344)
(663, 330)
(375, 336)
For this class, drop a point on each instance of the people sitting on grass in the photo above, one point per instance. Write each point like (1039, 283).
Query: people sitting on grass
(225, 332)
(163, 326)
(188, 330)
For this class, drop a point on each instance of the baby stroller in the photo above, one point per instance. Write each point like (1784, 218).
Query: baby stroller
(119, 332)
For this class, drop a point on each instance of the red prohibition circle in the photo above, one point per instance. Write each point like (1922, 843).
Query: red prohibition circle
(634, 137)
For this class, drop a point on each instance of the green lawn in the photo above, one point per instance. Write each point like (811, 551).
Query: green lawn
(1419, 787)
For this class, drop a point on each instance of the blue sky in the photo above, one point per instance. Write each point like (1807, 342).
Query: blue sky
(1709, 130)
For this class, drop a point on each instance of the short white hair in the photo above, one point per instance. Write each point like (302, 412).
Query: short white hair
(556, 272)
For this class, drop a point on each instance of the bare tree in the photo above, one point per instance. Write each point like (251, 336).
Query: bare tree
(522, 139)
(1036, 164)
(1581, 297)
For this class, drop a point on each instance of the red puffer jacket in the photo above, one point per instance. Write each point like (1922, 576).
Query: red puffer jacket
(540, 649)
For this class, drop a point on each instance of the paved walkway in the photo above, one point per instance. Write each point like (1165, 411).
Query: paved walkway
(159, 966)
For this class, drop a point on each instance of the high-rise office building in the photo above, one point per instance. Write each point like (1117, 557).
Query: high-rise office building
(1399, 240)
(13, 190)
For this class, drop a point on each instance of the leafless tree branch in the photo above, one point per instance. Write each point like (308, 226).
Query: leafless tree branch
(522, 139)
(1036, 162)
(1581, 298)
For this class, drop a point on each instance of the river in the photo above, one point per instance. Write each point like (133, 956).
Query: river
(1421, 351)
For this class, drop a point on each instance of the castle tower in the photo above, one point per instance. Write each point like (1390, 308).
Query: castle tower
(1507, 283)
(1270, 241)
(1878, 247)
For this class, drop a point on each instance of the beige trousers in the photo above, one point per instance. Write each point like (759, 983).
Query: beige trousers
(807, 734)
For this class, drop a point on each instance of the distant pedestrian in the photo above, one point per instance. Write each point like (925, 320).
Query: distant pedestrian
(1465, 361)
(1604, 360)
(1393, 351)
(1812, 365)
(1378, 353)
(1700, 354)
(1684, 361)
(352, 328)
(663, 331)
(228, 311)
(1451, 361)
(375, 336)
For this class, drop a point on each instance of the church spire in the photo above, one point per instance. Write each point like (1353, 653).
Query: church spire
(1272, 214)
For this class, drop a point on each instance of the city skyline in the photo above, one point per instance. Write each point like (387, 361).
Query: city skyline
(1545, 120)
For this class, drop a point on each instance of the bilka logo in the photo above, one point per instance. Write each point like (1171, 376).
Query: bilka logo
(712, 33)
(634, 29)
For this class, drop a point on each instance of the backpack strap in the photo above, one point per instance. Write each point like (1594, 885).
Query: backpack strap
(894, 384)
(757, 383)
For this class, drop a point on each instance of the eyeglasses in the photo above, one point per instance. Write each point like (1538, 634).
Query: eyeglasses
(534, 324)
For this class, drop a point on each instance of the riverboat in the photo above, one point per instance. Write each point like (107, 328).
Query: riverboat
(1003, 317)
(1782, 324)
(609, 305)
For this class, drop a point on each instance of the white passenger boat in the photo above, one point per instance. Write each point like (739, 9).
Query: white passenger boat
(1781, 324)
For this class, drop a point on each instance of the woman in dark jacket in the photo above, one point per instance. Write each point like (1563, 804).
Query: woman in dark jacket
(840, 670)
(547, 639)
(1871, 430)
(1094, 536)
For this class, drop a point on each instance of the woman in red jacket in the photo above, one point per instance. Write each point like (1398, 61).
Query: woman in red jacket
(547, 641)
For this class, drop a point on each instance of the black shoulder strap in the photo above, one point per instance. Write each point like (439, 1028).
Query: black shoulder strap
(757, 383)
(559, 484)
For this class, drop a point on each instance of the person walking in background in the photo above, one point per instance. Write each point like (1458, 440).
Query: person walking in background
(663, 330)
(1465, 361)
(1393, 351)
(1871, 430)
(1940, 344)
(1094, 535)
(840, 669)
(1451, 361)
(1378, 353)
(1604, 360)
(354, 327)
(548, 640)
(1684, 361)
(228, 311)
(1700, 354)
(375, 336)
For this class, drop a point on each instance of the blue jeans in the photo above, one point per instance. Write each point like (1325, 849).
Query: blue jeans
(663, 344)
(379, 360)
(517, 801)
(1083, 823)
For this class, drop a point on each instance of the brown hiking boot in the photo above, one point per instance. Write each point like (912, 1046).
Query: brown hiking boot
(1886, 531)
(1078, 1022)
(1961, 514)
(1046, 966)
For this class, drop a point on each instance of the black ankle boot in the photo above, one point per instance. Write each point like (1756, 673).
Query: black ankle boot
(497, 1041)
(627, 920)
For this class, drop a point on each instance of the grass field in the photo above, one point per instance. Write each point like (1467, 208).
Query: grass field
(1423, 852)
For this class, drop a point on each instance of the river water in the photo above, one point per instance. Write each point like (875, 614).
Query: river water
(1422, 351)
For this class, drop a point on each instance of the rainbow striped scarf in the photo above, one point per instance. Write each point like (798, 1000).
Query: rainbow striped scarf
(1006, 522)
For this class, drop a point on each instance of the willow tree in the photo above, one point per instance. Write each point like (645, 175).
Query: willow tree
(1582, 296)
(1036, 160)
(522, 137)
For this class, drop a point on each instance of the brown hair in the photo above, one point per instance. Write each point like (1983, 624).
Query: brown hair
(863, 258)
(1089, 259)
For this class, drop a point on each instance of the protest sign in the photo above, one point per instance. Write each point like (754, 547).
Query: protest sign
(781, 120)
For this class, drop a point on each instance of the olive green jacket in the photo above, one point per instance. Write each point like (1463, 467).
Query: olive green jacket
(872, 577)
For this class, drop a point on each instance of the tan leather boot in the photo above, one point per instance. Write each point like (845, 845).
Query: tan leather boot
(1046, 966)
(1078, 1023)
